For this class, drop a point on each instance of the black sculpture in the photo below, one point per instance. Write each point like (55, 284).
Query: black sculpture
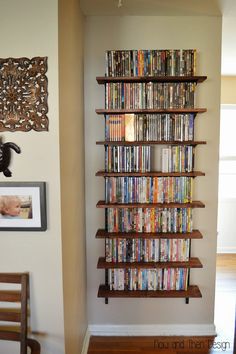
(5, 156)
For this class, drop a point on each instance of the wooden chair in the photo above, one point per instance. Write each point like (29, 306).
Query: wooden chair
(16, 315)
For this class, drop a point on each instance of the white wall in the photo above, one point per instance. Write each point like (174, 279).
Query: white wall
(226, 224)
(30, 28)
(227, 205)
(204, 34)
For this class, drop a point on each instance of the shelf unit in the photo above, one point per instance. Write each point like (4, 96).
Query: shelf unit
(193, 262)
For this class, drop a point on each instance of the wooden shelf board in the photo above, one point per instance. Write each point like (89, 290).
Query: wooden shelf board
(106, 79)
(194, 204)
(195, 234)
(150, 174)
(150, 111)
(138, 143)
(193, 262)
(193, 292)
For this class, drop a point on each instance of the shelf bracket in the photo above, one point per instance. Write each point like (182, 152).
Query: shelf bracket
(106, 300)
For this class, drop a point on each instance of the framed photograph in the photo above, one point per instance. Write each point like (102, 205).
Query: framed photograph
(23, 206)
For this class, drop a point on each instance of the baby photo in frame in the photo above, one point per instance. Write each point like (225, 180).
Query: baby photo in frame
(23, 206)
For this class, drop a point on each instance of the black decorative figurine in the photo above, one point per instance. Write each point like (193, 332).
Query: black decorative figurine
(5, 156)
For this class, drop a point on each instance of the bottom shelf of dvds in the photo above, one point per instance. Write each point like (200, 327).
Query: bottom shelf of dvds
(149, 279)
(192, 292)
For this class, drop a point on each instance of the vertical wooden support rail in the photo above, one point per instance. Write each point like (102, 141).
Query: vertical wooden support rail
(24, 310)
(106, 271)
(188, 280)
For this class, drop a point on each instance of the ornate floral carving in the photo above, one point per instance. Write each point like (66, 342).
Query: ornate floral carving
(23, 94)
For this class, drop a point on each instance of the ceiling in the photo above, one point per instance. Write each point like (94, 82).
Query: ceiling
(225, 8)
(151, 7)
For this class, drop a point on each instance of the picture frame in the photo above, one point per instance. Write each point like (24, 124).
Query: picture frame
(23, 206)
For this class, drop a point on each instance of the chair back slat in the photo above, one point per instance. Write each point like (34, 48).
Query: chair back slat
(10, 315)
(11, 328)
(9, 335)
(10, 296)
(11, 278)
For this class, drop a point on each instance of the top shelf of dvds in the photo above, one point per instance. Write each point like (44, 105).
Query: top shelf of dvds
(106, 79)
(166, 65)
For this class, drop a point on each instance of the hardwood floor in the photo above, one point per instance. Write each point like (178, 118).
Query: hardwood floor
(149, 345)
(224, 320)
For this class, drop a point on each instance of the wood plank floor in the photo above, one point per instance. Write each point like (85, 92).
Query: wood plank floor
(224, 320)
(149, 345)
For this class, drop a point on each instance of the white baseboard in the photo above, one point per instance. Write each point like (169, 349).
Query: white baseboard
(86, 342)
(153, 330)
(226, 249)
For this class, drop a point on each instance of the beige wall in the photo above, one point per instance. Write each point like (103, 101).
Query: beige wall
(228, 90)
(72, 171)
(27, 29)
(204, 34)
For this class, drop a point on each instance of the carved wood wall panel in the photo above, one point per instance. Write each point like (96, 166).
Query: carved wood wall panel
(23, 94)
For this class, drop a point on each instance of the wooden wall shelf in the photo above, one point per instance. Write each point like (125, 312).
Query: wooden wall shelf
(194, 204)
(103, 173)
(101, 80)
(195, 234)
(193, 292)
(150, 111)
(193, 262)
(142, 142)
